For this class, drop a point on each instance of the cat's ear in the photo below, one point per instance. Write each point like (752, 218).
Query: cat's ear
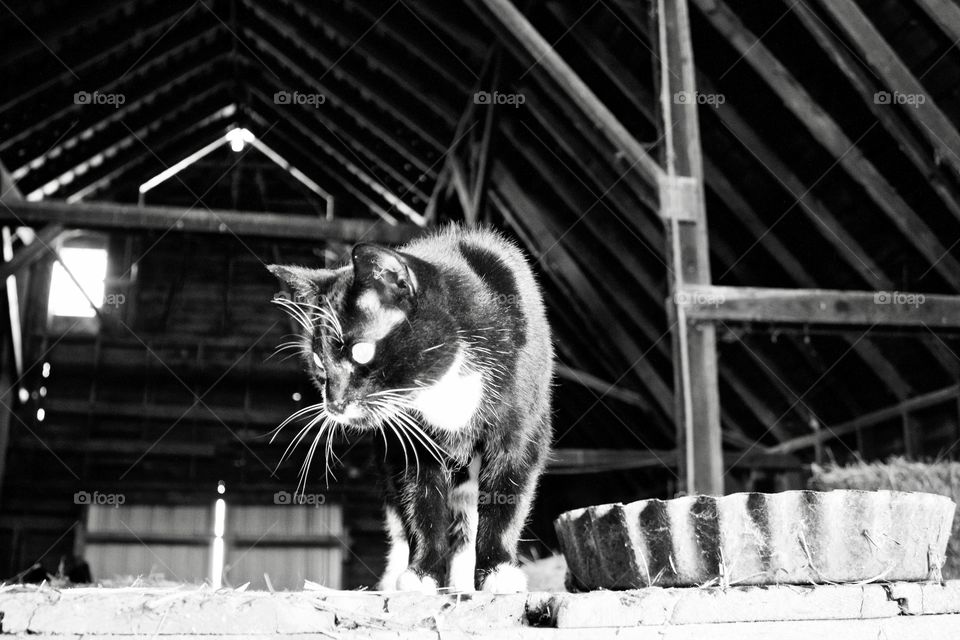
(385, 270)
(305, 283)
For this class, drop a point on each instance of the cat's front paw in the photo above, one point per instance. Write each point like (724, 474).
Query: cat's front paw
(505, 578)
(410, 581)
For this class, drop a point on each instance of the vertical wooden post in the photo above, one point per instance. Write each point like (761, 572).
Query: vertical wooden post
(8, 193)
(684, 210)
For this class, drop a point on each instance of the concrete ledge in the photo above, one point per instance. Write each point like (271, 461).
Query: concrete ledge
(898, 609)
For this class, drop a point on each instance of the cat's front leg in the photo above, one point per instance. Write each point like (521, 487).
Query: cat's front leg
(463, 526)
(508, 481)
(398, 558)
(426, 516)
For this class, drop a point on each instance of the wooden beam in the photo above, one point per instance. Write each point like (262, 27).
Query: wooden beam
(26, 256)
(144, 68)
(566, 461)
(9, 191)
(84, 187)
(9, 194)
(873, 48)
(380, 206)
(604, 388)
(821, 306)
(827, 132)
(946, 14)
(642, 100)
(696, 387)
(135, 114)
(440, 66)
(869, 420)
(102, 215)
(335, 99)
(422, 87)
(865, 84)
(503, 15)
(550, 252)
(149, 33)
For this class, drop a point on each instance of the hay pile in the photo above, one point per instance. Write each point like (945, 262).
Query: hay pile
(898, 474)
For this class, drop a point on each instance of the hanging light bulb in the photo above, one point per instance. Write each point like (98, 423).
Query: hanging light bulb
(238, 138)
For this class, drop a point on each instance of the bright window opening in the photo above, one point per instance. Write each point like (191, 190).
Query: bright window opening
(89, 267)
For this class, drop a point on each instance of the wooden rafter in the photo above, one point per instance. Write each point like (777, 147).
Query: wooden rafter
(82, 187)
(363, 85)
(822, 306)
(642, 100)
(831, 136)
(419, 87)
(891, 118)
(869, 420)
(101, 215)
(518, 31)
(370, 191)
(933, 124)
(362, 118)
(128, 114)
(439, 65)
(114, 86)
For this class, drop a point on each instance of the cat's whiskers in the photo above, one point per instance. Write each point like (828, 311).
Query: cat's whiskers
(326, 315)
(388, 417)
(395, 408)
(297, 346)
(295, 311)
(434, 449)
(381, 416)
(296, 415)
(297, 439)
(305, 467)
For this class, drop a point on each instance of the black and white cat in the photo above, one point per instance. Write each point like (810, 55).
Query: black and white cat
(443, 347)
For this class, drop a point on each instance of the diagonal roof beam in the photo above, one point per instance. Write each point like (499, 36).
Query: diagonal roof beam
(107, 88)
(107, 148)
(866, 86)
(829, 134)
(437, 64)
(67, 77)
(332, 67)
(80, 190)
(502, 15)
(822, 218)
(946, 14)
(371, 183)
(419, 86)
(935, 126)
(338, 101)
(550, 253)
(353, 143)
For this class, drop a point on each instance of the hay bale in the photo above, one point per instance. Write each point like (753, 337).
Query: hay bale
(898, 474)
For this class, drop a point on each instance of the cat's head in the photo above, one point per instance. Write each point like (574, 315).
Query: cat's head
(373, 332)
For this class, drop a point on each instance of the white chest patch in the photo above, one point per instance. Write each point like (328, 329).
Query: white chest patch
(452, 401)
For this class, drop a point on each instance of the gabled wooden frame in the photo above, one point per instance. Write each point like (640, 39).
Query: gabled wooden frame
(681, 203)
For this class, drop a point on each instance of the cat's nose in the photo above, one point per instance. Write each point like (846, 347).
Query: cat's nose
(336, 396)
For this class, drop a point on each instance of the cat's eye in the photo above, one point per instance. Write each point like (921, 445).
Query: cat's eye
(362, 352)
(317, 361)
